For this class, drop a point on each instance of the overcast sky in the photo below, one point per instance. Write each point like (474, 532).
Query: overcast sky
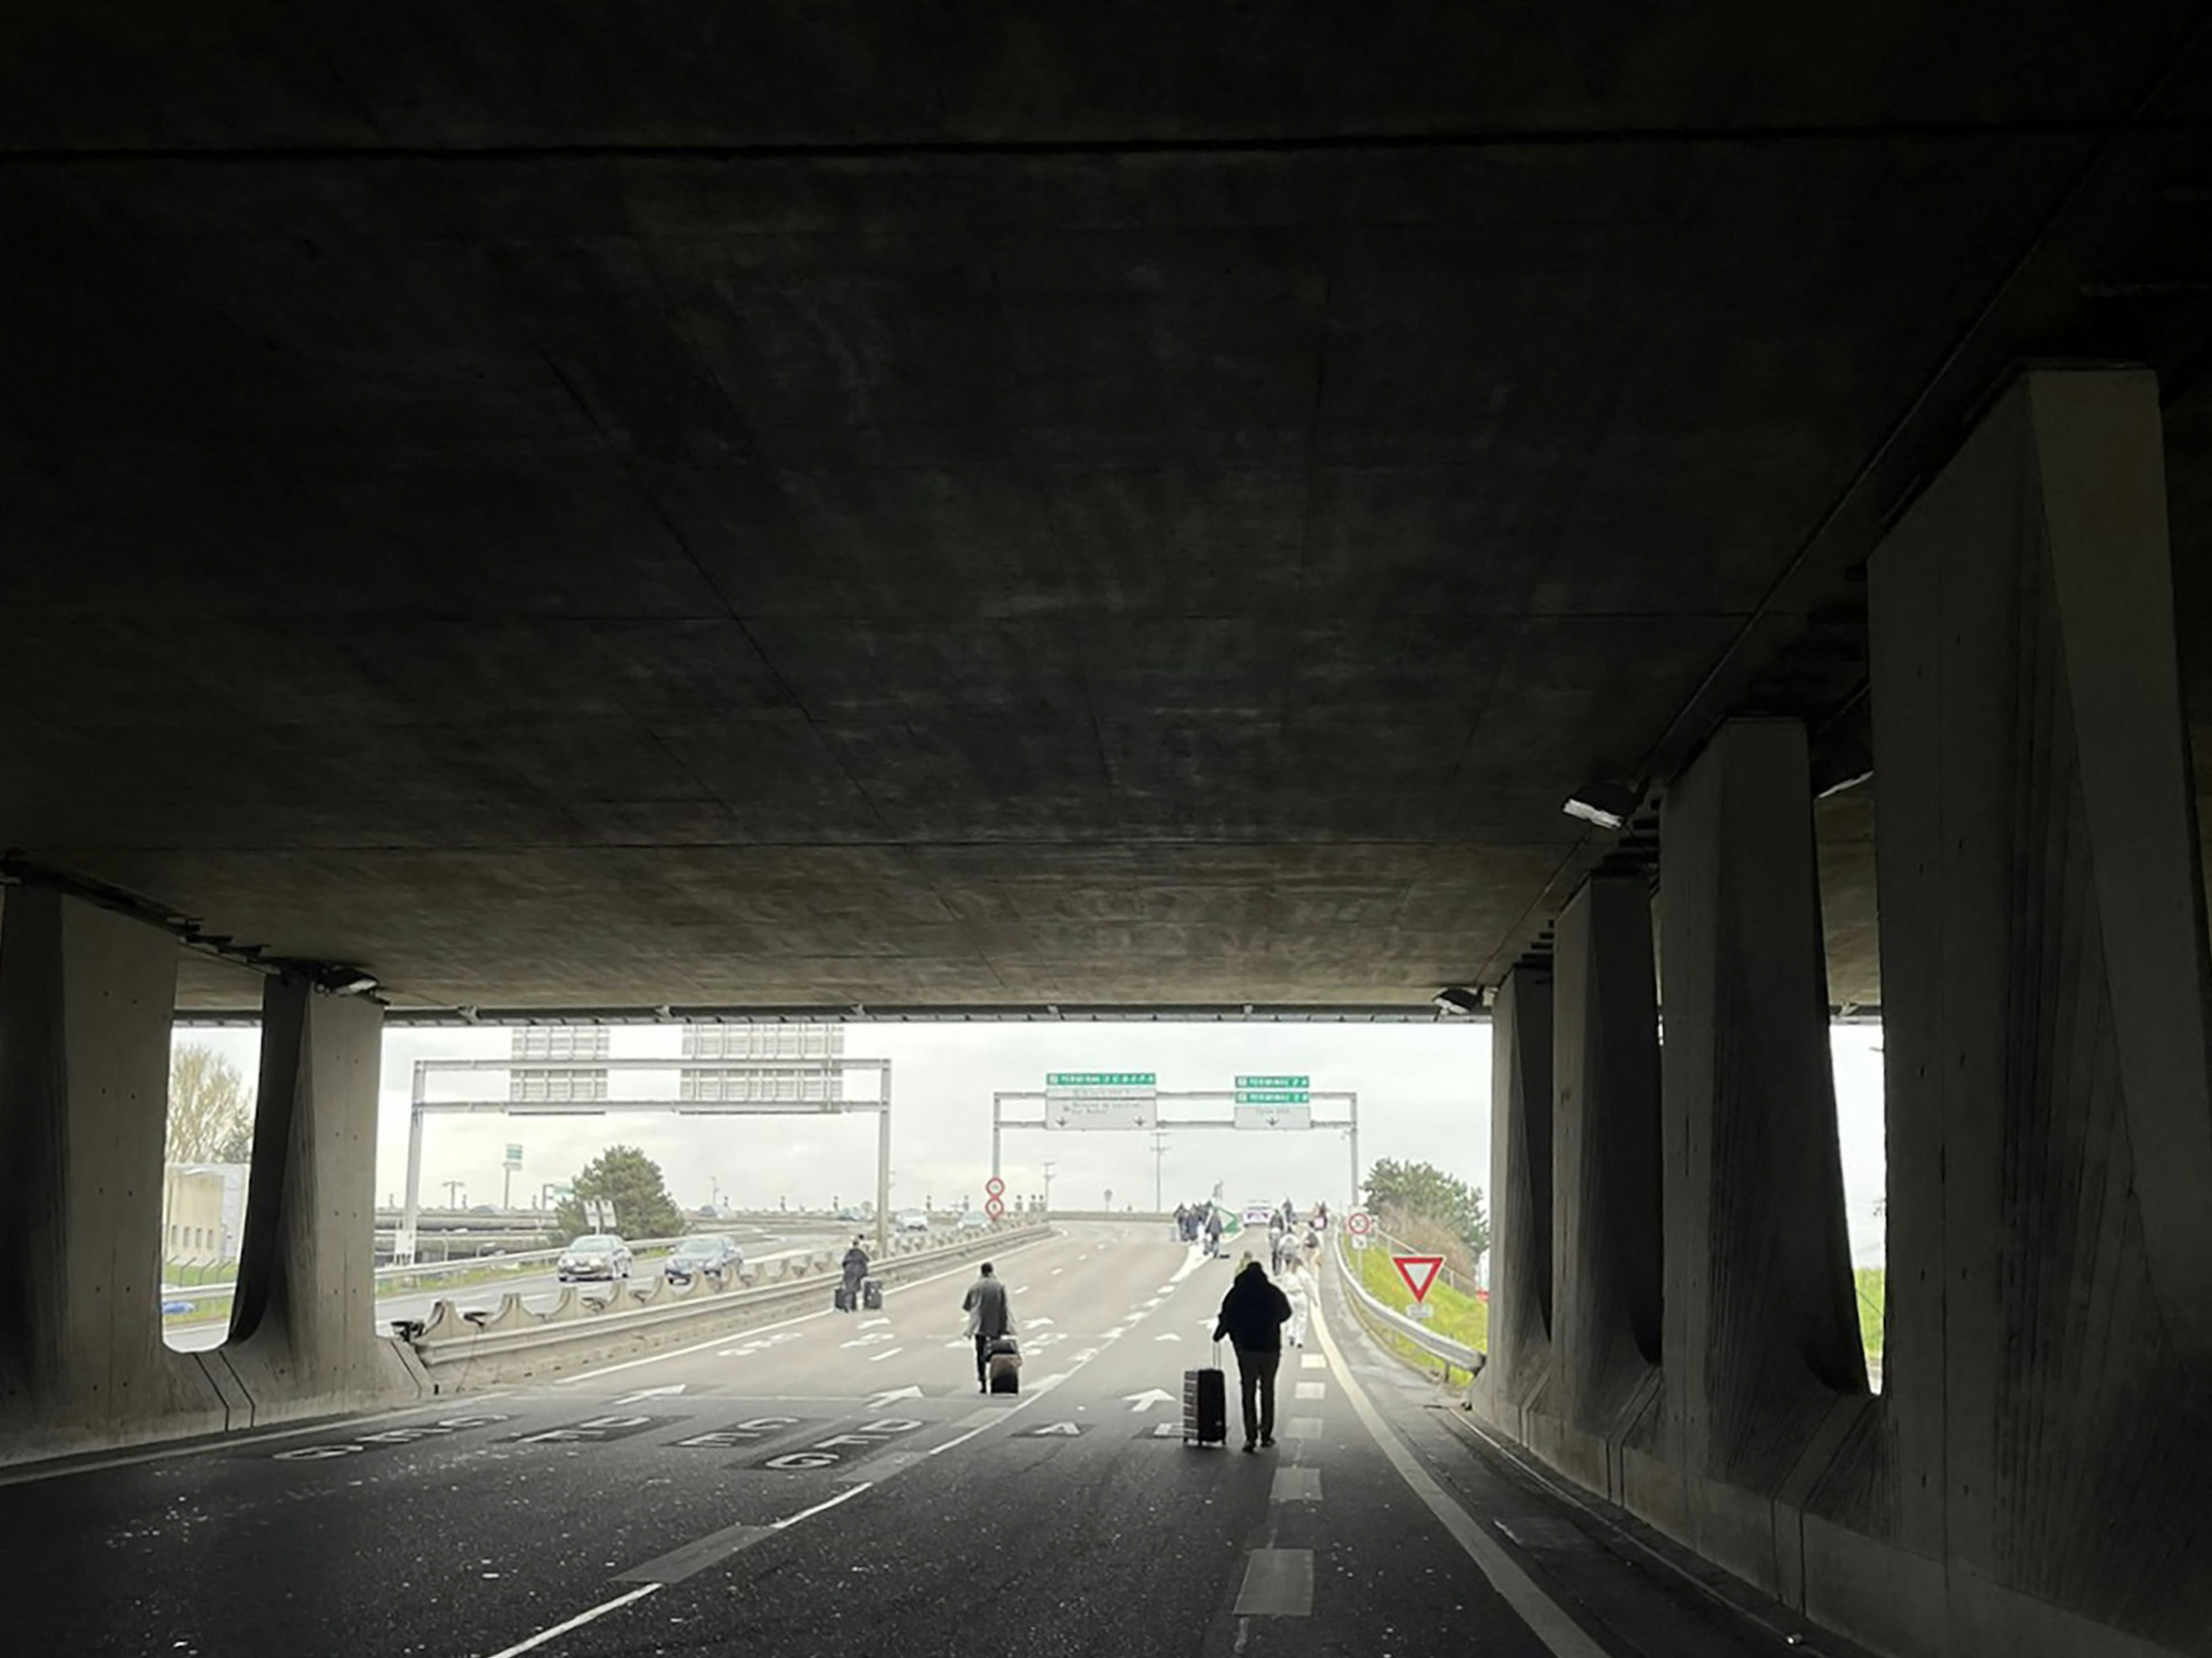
(1424, 1096)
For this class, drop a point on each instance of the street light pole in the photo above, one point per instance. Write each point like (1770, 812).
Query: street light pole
(1047, 1188)
(1159, 1157)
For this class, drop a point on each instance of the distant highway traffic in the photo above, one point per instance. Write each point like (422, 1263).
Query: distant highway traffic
(539, 1290)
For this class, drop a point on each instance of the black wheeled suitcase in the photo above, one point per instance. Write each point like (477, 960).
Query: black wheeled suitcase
(844, 1297)
(871, 1294)
(1004, 1364)
(1205, 1404)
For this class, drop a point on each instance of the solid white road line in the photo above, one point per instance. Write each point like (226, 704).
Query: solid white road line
(578, 1621)
(846, 1496)
(888, 1353)
(1559, 1632)
(936, 1450)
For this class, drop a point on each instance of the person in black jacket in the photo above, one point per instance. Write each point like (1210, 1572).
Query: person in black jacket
(1253, 1315)
(855, 1265)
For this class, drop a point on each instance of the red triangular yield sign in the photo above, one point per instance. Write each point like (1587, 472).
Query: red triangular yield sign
(1418, 1271)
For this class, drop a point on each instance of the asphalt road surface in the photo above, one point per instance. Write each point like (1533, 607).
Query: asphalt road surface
(538, 1290)
(835, 1484)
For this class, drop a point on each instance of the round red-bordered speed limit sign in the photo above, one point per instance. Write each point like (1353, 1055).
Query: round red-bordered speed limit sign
(994, 1207)
(1359, 1223)
(995, 1187)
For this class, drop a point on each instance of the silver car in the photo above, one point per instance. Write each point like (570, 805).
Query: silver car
(596, 1254)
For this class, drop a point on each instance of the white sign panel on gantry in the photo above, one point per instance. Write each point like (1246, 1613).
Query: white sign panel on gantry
(1097, 1114)
(1274, 1116)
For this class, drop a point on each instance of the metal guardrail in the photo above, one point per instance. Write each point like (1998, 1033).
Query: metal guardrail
(1365, 1302)
(450, 1339)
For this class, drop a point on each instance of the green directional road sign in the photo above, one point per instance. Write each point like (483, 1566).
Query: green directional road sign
(1100, 1079)
(1271, 1096)
(1271, 1082)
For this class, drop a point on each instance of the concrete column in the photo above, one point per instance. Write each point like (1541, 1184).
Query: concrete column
(1761, 1330)
(85, 1001)
(2044, 1468)
(303, 1337)
(1605, 1179)
(1520, 1196)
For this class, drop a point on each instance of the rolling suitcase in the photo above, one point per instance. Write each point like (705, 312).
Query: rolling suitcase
(1205, 1404)
(844, 1297)
(871, 1294)
(1003, 1365)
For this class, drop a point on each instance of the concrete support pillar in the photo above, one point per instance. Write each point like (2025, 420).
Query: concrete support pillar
(303, 1337)
(2043, 1466)
(85, 1001)
(1520, 1196)
(1605, 1179)
(1761, 1330)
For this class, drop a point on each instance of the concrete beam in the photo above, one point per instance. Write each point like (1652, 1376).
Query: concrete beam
(85, 997)
(1763, 1358)
(1605, 1177)
(2037, 1479)
(1520, 1197)
(303, 1338)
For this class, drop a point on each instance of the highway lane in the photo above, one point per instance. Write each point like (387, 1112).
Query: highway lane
(540, 1292)
(837, 1484)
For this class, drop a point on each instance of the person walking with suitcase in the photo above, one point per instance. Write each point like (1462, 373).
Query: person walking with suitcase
(856, 1268)
(990, 1316)
(1213, 1233)
(1252, 1317)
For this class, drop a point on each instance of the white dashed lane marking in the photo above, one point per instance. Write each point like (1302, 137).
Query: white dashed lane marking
(1313, 1362)
(1296, 1486)
(1313, 1390)
(1303, 1427)
(1277, 1583)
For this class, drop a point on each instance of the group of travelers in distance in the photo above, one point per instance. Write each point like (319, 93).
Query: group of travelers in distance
(1257, 1308)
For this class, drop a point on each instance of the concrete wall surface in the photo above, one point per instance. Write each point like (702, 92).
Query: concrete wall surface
(2033, 1478)
(303, 1336)
(85, 1001)
(1604, 1177)
(84, 1074)
(1521, 1194)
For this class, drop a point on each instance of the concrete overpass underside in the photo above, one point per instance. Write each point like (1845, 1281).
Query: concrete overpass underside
(810, 511)
(811, 505)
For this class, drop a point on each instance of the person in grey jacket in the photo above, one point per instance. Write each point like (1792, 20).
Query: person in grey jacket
(990, 1315)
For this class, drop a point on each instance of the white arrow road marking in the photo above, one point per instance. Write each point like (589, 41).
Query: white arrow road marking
(1167, 1335)
(1140, 1403)
(871, 1323)
(888, 1353)
(879, 1400)
(1068, 1428)
(670, 1390)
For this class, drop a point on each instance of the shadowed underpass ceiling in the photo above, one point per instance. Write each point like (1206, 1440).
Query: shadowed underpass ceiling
(571, 508)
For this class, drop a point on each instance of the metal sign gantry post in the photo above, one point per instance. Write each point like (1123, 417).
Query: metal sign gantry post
(420, 1106)
(1349, 1122)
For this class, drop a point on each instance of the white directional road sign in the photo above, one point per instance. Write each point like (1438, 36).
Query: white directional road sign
(1083, 1113)
(1274, 1116)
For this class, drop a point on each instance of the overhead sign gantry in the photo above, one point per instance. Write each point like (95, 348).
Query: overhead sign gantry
(1072, 1101)
(833, 1066)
